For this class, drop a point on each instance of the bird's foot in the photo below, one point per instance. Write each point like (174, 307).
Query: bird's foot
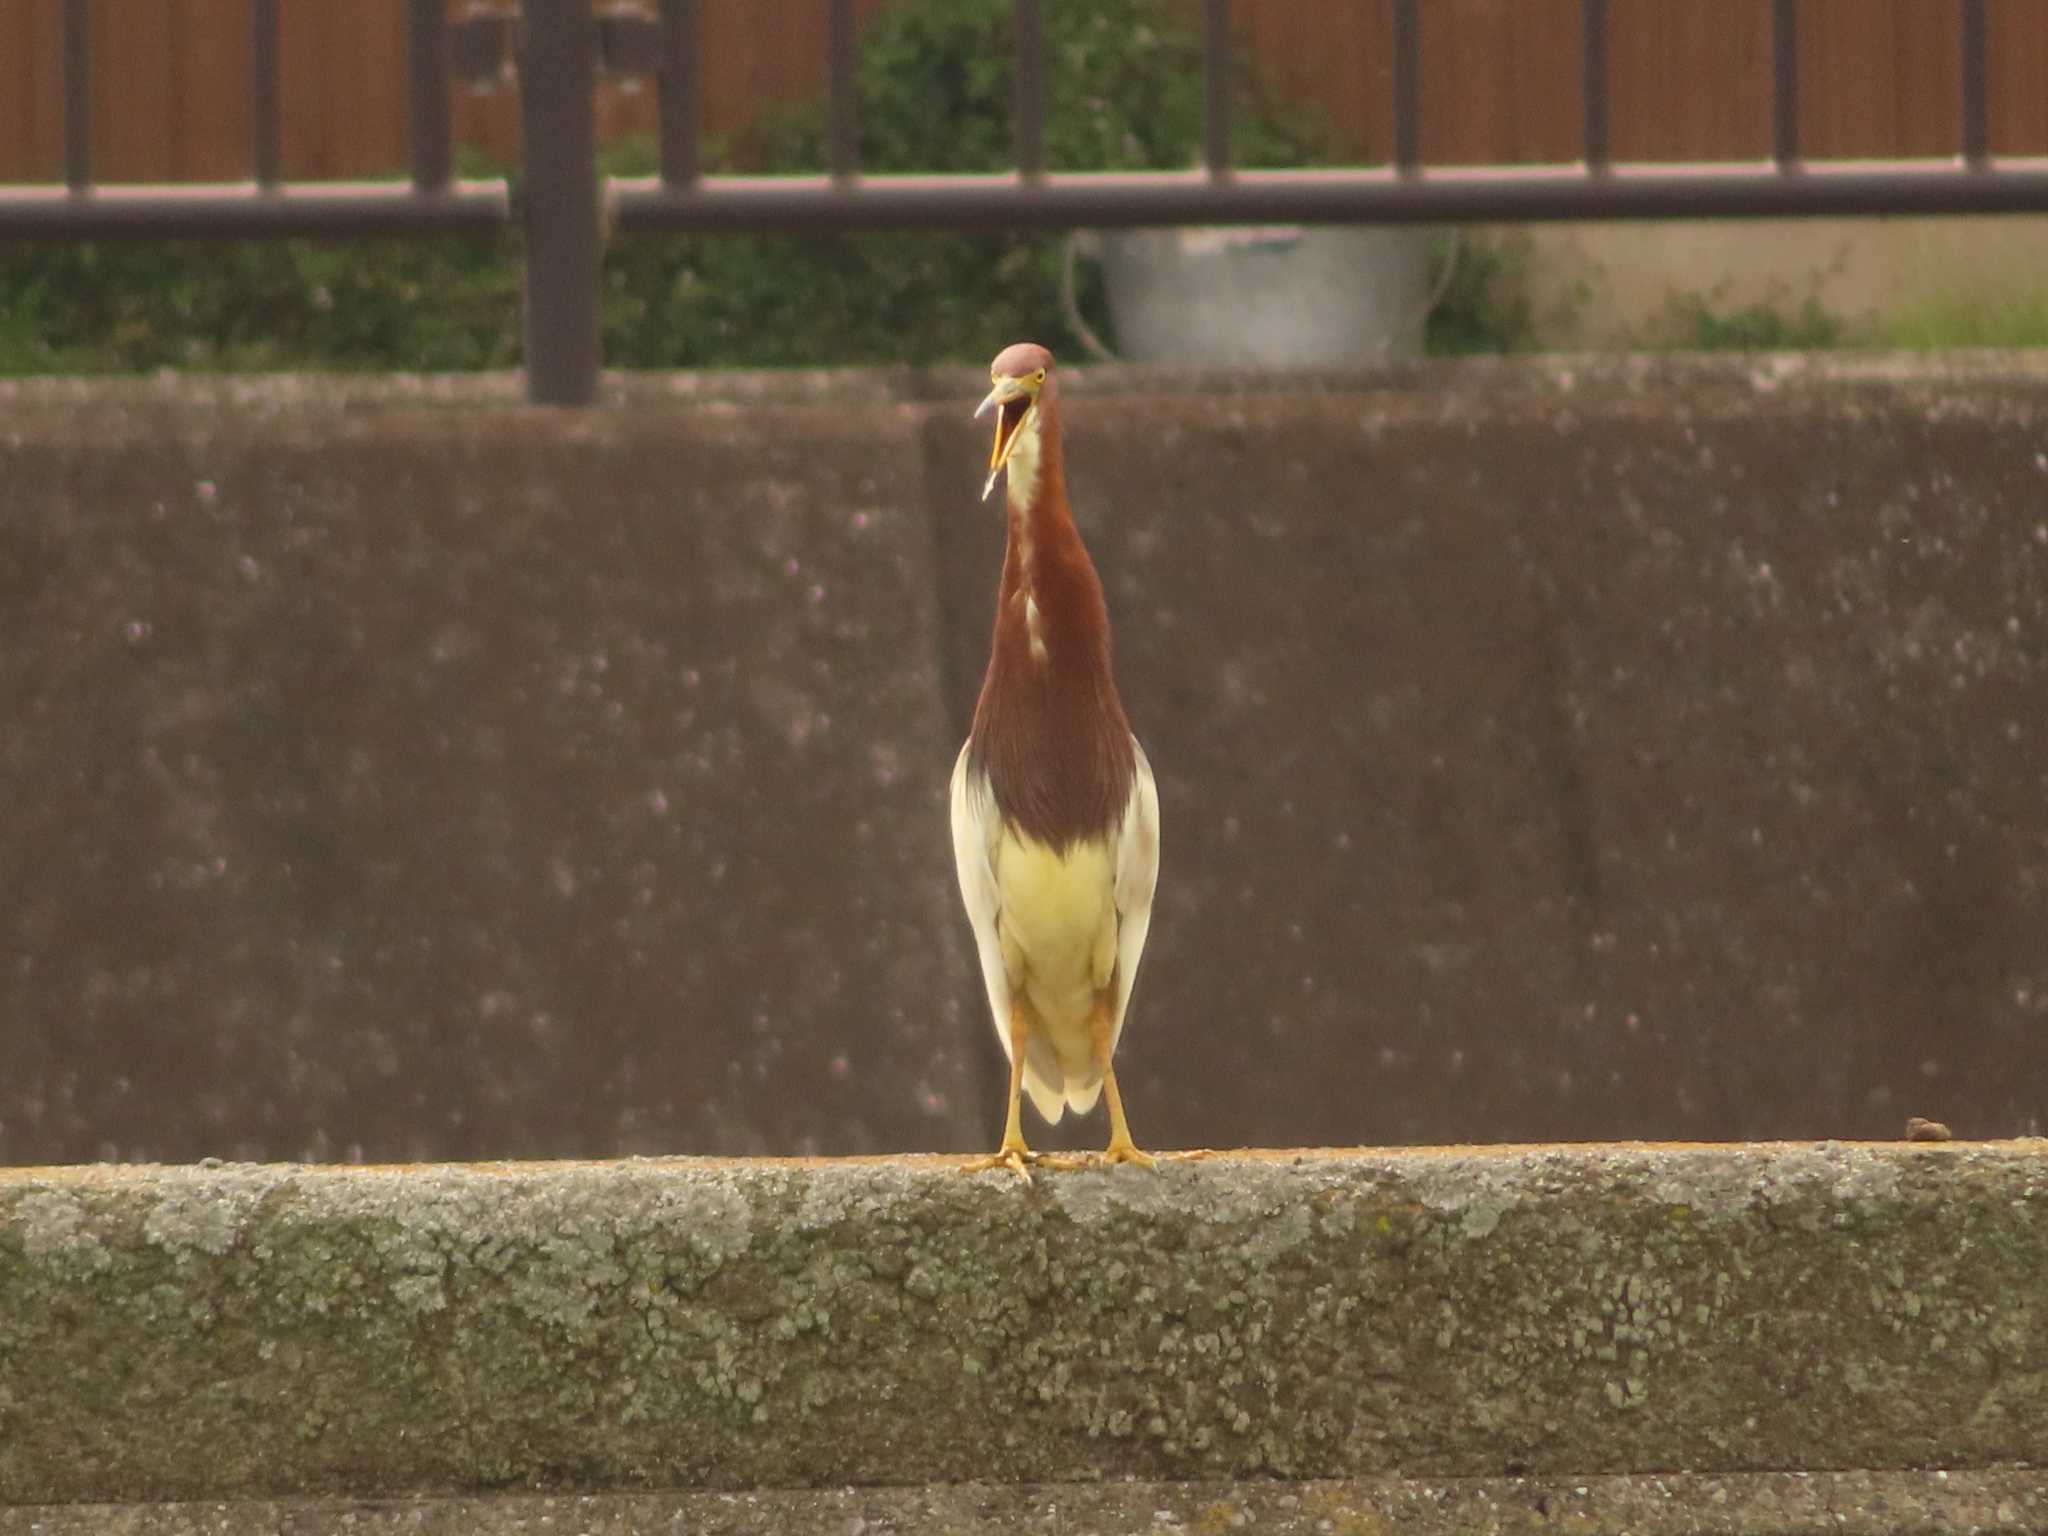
(1013, 1155)
(1125, 1151)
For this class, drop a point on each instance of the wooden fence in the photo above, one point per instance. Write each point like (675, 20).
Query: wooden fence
(1691, 80)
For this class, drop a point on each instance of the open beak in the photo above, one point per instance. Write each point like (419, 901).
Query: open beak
(1011, 402)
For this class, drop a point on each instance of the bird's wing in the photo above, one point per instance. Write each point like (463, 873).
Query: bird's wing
(976, 826)
(1137, 872)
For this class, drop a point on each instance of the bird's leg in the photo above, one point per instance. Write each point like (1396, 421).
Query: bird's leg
(1013, 1154)
(1121, 1148)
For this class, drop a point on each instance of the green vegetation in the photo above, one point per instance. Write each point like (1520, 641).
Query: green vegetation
(1481, 301)
(1942, 324)
(1697, 327)
(1937, 325)
(129, 307)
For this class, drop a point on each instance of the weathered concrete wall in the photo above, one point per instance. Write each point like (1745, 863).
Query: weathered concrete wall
(1548, 750)
(396, 779)
(249, 1332)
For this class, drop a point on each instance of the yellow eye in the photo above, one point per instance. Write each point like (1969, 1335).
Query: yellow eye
(1038, 377)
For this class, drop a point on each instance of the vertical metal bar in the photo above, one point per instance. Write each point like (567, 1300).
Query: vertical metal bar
(1975, 52)
(1785, 83)
(845, 110)
(564, 248)
(1593, 82)
(77, 95)
(266, 131)
(1216, 79)
(1407, 87)
(681, 84)
(1030, 89)
(430, 137)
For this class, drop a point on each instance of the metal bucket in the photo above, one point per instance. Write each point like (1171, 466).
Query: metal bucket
(1266, 296)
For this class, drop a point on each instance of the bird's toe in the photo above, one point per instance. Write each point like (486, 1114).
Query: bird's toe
(1126, 1152)
(1017, 1159)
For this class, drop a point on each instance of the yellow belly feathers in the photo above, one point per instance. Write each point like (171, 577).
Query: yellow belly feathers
(1059, 930)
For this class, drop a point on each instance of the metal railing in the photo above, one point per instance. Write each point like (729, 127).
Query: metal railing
(566, 209)
(265, 206)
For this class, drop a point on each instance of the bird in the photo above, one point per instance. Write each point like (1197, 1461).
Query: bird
(1055, 813)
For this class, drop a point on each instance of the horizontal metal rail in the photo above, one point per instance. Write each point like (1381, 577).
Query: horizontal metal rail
(246, 211)
(1489, 193)
(813, 204)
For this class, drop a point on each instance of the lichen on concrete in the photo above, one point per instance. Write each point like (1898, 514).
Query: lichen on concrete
(245, 1332)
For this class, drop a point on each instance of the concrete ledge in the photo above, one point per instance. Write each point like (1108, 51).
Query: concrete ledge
(1744, 1504)
(238, 1332)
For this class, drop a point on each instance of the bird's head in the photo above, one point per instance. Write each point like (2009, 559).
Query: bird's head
(1022, 376)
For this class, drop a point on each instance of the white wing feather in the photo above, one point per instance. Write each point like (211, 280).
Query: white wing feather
(976, 827)
(1137, 873)
(977, 831)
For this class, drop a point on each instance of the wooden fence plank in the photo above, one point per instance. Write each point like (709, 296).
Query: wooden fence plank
(373, 39)
(1690, 80)
(17, 94)
(1846, 88)
(1336, 59)
(133, 102)
(2018, 67)
(209, 100)
(302, 118)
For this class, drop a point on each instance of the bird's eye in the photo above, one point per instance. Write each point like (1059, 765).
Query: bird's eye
(1038, 377)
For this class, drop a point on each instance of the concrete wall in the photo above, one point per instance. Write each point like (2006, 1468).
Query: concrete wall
(258, 1332)
(1547, 750)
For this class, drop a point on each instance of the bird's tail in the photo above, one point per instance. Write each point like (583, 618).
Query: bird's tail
(1049, 1100)
(1053, 1092)
(1059, 1072)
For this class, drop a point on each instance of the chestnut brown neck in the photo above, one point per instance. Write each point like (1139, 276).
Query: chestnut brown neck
(1049, 729)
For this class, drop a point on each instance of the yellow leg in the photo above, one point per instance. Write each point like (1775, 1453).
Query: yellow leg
(1013, 1154)
(1121, 1148)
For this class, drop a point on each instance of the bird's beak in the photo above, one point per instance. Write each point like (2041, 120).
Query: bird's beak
(1011, 402)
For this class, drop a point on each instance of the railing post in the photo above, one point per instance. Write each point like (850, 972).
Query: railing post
(429, 138)
(564, 243)
(1407, 51)
(77, 96)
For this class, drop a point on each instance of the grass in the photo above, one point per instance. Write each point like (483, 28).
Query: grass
(1963, 322)
(1956, 323)
(1759, 328)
